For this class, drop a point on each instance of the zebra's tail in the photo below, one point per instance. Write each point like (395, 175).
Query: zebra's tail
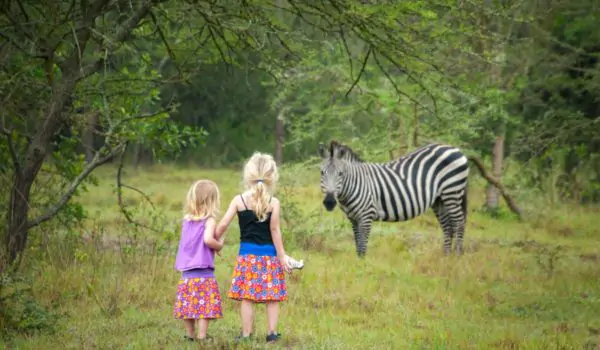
(464, 202)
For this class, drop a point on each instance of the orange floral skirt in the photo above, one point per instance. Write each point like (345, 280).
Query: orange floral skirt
(258, 278)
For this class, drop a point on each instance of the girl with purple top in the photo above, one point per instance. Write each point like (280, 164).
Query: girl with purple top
(198, 297)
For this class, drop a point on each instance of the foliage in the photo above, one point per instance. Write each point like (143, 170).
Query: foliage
(20, 311)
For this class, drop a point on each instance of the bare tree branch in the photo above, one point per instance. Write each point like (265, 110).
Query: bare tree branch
(120, 186)
(345, 44)
(491, 179)
(362, 70)
(97, 161)
(144, 195)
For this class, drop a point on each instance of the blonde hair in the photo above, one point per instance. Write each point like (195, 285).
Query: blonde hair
(202, 200)
(260, 177)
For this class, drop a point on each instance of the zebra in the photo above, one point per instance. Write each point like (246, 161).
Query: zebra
(433, 176)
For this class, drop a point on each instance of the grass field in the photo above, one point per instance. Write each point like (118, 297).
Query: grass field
(110, 285)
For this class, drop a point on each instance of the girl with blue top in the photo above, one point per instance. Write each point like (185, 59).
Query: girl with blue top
(258, 276)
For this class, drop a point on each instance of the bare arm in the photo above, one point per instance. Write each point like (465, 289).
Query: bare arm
(209, 235)
(226, 220)
(276, 232)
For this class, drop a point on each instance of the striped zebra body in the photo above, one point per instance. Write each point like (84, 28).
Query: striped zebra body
(434, 176)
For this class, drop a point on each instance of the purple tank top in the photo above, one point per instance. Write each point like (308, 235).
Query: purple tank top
(192, 252)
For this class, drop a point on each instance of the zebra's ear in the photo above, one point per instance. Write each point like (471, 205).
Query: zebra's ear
(323, 152)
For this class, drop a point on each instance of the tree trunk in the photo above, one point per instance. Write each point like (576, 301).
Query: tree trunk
(492, 197)
(18, 210)
(137, 155)
(279, 138)
(72, 70)
(16, 234)
(142, 155)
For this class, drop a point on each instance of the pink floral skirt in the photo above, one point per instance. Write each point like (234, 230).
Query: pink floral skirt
(198, 298)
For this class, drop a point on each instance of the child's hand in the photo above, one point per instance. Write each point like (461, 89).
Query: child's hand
(285, 264)
(222, 242)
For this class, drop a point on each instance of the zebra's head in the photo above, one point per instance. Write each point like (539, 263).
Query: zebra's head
(336, 159)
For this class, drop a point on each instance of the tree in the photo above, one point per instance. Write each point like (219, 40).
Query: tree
(59, 59)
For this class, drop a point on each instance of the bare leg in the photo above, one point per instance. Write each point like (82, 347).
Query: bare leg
(247, 314)
(202, 327)
(272, 316)
(190, 327)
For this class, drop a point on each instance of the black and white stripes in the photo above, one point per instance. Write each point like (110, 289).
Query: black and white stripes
(434, 176)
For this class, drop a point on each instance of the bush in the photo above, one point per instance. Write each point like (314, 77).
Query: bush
(19, 310)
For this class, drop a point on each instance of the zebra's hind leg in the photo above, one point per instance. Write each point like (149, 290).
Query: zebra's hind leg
(459, 231)
(445, 222)
(461, 222)
(455, 218)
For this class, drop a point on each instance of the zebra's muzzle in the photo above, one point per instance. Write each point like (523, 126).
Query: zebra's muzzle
(329, 202)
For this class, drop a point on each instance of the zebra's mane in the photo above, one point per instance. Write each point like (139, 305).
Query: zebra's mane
(343, 151)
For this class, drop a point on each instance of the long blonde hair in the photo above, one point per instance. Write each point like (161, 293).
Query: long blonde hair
(202, 200)
(260, 178)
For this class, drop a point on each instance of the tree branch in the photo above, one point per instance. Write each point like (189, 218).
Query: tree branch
(89, 168)
(347, 49)
(17, 24)
(391, 80)
(14, 43)
(492, 180)
(161, 34)
(362, 70)
(122, 34)
(416, 81)
(120, 186)
(139, 117)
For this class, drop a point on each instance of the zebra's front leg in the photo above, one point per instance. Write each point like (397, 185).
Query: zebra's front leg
(355, 231)
(364, 230)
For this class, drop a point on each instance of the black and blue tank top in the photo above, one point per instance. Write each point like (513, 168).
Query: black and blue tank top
(251, 229)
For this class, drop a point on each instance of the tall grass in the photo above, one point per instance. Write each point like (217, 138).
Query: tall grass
(108, 284)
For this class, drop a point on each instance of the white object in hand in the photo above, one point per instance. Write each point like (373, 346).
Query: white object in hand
(293, 263)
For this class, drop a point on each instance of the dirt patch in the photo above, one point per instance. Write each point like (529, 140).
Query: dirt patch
(565, 232)
(507, 344)
(590, 257)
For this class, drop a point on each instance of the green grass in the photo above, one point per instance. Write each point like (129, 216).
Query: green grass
(110, 285)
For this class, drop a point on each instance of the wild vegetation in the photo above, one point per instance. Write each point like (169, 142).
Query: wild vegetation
(112, 108)
(107, 284)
